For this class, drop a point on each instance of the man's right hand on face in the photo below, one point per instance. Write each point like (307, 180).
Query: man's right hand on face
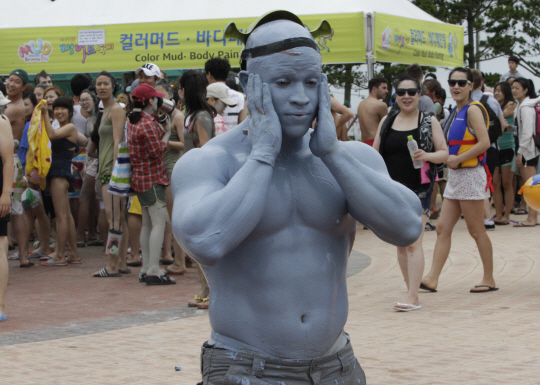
(264, 126)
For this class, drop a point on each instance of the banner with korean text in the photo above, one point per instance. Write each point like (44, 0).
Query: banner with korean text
(401, 40)
(170, 45)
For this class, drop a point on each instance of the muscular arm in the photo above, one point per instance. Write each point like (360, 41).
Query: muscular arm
(216, 214)
(388, 208)
(221, 206)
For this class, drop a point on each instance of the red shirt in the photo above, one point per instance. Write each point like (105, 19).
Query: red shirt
(146, 154)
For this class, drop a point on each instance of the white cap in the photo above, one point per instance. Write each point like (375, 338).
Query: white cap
(220, 91)
(150, 69)
(3, 99)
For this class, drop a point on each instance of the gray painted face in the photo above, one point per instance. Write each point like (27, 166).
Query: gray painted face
(271, 217)
(293, 76)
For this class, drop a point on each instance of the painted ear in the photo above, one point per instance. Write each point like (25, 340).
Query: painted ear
(232, 32)
(323, 28)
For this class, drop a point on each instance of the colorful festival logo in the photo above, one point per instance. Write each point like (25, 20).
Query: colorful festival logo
(35, 51)
(323, 39)
(386, 38)
(452, 44)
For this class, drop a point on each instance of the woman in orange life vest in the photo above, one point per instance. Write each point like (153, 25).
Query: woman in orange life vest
(468, 181)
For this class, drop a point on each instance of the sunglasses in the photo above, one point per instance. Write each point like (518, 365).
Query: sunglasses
(461, 82)
(409, 91)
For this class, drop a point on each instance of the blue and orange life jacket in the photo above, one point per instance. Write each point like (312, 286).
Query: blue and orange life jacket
(461, 139)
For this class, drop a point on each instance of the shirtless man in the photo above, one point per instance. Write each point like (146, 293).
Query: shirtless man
(16, 111)
(271, 218)
(371, 110)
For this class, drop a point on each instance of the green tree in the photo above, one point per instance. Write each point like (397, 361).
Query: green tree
(526, 34)
(346, 76)
(491, 79)
(494, 18)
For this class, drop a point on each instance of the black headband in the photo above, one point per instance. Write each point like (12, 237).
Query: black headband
(279, 46)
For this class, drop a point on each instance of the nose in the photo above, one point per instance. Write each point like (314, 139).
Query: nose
(299, 96)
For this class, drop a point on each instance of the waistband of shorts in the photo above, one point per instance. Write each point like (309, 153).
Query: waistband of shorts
(344, 355)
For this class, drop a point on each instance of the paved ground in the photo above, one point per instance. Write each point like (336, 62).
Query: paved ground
(457, 338)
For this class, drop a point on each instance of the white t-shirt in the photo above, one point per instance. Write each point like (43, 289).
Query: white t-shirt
(230, 114)
(78, 120)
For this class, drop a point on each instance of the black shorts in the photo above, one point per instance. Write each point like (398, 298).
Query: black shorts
(3, 228)
(492, 159)
(48, 204)
(505, 157)
(531, 162)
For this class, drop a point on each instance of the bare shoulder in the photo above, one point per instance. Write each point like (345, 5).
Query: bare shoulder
(366, 155)
(117, 110)
(4, 123)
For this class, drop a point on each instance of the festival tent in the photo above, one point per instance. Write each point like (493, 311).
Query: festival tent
(68, 36)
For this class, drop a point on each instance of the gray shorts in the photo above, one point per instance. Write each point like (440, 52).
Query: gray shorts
(225, 367)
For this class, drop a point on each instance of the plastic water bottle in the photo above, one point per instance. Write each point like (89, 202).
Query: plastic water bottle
(413, 147)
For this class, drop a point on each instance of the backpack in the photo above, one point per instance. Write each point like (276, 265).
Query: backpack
(495, 129)
(536, 132)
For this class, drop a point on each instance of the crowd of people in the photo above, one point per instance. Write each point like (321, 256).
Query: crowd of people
(156, 121)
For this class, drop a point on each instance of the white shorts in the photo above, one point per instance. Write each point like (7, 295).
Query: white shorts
(466, 184)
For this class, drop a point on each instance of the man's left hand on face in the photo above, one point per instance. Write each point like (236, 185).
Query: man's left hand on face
(323, 139)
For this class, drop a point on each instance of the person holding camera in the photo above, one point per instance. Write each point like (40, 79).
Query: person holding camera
(147, 142)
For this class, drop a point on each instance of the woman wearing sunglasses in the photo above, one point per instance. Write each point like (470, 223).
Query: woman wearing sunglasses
(391, 141)
(467, 186)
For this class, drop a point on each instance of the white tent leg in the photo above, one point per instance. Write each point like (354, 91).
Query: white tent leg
(369, 33)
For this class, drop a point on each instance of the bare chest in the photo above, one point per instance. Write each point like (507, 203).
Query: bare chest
(302, 193)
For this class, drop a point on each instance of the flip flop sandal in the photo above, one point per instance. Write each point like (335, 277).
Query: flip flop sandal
(81, 244)
(167, 261)
(134, 264)
(126, 271)
(204, 304)
(28, 264)
(3, 317)
(13, 257)
(408, 308)
(37, 254)
(483, 291)
(71, 262)
(521, 212)
(50, 262)
(424, 287)
(195, 302)
(103, 273)
(95, 242)
(155, 280)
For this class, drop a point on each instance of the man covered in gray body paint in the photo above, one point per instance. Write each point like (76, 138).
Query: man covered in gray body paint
(271, 217)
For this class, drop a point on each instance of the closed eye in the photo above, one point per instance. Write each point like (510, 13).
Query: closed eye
(283, 82)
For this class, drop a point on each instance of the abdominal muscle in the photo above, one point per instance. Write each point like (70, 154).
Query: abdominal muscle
(284, 296)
